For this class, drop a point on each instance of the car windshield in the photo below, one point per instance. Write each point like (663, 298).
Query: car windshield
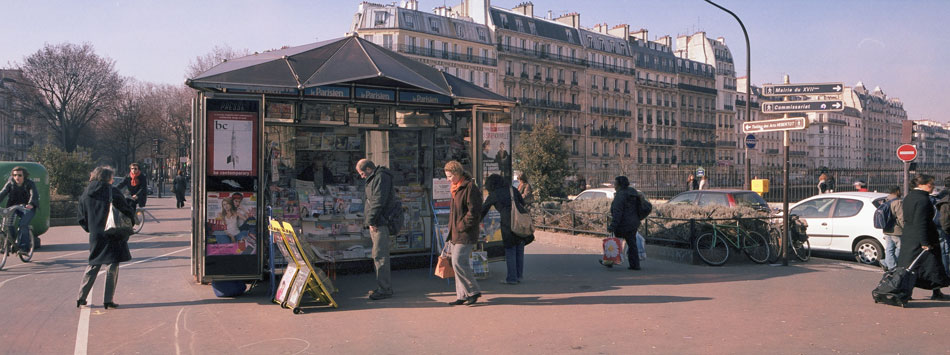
(750, 199)
(713, 198)
(589, 195)
(687, 197)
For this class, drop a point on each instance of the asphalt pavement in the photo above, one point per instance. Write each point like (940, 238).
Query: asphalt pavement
(567, 304)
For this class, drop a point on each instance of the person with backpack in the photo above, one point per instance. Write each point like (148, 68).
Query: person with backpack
(379, 199)
(920, 236)
(891, 211)
(627, 210)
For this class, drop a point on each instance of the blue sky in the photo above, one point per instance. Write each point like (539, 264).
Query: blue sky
(896, 45)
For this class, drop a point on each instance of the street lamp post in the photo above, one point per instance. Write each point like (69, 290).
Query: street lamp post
(748, 91)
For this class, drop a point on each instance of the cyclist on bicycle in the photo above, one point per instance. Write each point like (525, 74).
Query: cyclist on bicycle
(137, 184)
(21, 191)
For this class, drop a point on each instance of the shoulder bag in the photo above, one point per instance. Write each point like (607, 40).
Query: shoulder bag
(521, 224)
(117, 223)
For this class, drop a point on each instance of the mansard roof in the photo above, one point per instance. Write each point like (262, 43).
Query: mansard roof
(378, 16)
(604, 43)
(512, 21)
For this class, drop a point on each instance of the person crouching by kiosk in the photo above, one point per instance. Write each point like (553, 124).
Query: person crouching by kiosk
(464, 218)
(22, 191)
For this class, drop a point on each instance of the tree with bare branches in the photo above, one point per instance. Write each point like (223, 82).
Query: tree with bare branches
(69, 86)
(217, 55)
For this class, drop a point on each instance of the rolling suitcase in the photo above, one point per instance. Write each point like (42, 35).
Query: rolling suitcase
(897, 285)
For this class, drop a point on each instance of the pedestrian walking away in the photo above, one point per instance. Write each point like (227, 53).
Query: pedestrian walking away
(920, 235)
(692, 183)
(892, 235)
(703, 183)
(21, 191)
(627, 210)
(137, 184)
(379, 200)
(943, 211)
(179, 185)
(499, 197)
(105, 248)
(464, 218)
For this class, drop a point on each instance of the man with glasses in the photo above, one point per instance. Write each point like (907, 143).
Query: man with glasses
(21, 191)
(137, 184)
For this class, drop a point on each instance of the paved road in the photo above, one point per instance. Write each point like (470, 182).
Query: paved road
(567, 304)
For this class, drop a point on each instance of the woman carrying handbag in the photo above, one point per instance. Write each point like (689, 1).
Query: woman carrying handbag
(105, 248)
(500, 196)
(464, 218)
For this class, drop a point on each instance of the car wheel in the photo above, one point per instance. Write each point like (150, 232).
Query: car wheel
(868, 251)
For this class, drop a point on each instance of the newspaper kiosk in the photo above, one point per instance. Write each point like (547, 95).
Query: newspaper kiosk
(284, 129)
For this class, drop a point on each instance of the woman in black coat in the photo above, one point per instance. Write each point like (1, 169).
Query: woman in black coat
(499, 196)
(921, 236)
(104, 248)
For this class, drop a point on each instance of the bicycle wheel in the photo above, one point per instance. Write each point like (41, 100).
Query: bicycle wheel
(775, 245)
(4, 250)
(756, 247)
(711, 249)
(802, 250)
(139, 221)
(26, 257)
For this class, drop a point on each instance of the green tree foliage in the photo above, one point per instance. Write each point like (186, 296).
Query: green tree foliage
(542, 156)
(68, 172)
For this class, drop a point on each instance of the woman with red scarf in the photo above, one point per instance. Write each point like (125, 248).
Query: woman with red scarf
(464, 218)
(137, 184)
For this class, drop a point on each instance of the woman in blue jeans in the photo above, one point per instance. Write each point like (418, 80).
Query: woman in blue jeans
(499, 196)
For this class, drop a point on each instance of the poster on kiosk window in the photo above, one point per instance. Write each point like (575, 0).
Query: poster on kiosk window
(496, 159)
(232, 147)
(232, 224)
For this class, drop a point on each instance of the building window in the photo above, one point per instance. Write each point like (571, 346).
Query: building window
(459, 30)
(407, 20)
(482, 36)
(368, 38)
(434, 25)
(380, 17)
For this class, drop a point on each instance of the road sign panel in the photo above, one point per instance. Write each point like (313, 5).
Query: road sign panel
(750, 141)
(907, 152)
(802, 106)
(802, 89)
(781, 124)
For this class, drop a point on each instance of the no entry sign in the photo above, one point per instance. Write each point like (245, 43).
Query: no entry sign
(907, 152)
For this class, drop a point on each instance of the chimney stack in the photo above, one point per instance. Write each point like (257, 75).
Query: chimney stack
(572, 19)
(526, 8)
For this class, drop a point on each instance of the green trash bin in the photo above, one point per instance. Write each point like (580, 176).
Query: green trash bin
(40, 177)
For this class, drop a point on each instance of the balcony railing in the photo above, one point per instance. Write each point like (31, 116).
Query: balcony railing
(436, 53)
(612, 132)
(540, 54)
(699, 125)
(550, 104)
(695, 143)
(697, 89)
(726, 144)
(612, 68)
(657, 141)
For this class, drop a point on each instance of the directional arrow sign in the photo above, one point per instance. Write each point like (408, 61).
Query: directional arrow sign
(781, 124)
(802, 89)
(802, 106)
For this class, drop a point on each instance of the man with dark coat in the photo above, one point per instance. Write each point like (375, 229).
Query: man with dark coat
(920, 236)
(179, 184)
(137, 184)
(104, 248)
(943, 212)
(22, 191)
(625, 218)
(379, 195)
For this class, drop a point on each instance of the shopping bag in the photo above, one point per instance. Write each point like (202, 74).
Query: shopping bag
(479, 262)
(117, 223)
(612, 248)
(443, 268)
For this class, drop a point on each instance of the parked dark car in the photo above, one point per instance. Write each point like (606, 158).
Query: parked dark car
(722, 197)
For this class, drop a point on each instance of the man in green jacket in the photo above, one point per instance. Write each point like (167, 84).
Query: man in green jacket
(379, 196)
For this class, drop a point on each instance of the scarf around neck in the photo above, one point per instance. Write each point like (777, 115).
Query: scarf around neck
(134, 176)
(458, 185)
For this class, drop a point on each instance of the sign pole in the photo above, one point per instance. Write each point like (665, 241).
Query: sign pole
(785, 219)
(906, 178)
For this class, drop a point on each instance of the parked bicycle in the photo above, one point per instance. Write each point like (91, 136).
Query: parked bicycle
(9, 232)
(799, 246)
(713, 247)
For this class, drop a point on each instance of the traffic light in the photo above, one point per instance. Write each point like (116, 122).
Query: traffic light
(156, 146)
(908, 131)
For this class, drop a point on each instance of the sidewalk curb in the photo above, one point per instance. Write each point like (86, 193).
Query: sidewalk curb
(595, 245)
